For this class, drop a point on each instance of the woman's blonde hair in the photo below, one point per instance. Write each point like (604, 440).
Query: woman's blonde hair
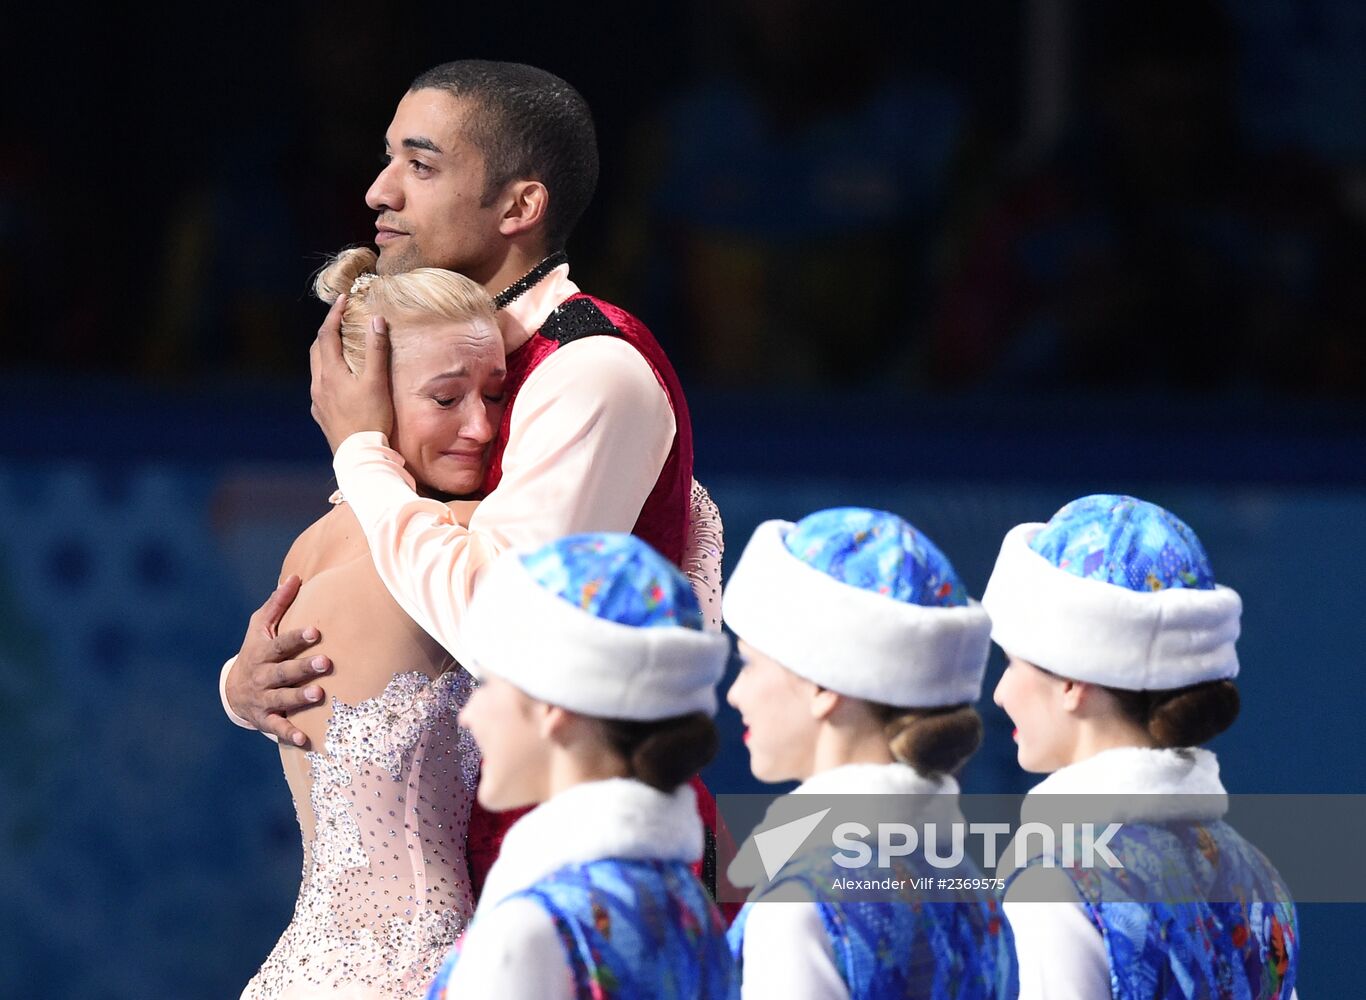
(425, 291)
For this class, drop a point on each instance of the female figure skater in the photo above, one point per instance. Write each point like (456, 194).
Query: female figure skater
(1121, 659)
(383, 801)
(862, 658)
(597, 689)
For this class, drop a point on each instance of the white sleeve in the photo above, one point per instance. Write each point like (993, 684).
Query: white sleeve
(1060, 951)
(512, 951)
(787, 954)
(591, 429)
(233, 717)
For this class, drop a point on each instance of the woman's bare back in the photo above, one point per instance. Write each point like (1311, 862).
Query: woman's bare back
(383, 796)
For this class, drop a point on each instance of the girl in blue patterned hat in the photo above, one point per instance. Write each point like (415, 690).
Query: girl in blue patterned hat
(862, 658)
(597, 691)
(1121, 663)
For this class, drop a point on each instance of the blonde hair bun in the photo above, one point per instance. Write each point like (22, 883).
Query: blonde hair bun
(342, 271)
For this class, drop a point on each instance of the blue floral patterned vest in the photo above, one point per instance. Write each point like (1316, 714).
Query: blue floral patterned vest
(633, 930)
(902, 950)
(1186, 950)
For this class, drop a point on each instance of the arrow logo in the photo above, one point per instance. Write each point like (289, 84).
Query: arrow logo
(776, 846)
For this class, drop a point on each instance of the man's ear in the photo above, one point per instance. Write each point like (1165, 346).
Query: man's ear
(524, 207)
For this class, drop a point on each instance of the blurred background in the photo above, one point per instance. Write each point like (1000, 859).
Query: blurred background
(963, 261)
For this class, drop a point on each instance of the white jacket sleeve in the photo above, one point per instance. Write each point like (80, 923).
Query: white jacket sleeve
(233, 717)
(512, 951)
(1060, 951)
(787, 954)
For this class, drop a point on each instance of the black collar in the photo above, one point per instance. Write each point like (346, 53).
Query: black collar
(526, 282)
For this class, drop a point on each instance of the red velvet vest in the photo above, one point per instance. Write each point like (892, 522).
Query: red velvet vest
(663, 520)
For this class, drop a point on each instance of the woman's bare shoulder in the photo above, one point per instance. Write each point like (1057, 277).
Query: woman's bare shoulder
(332, 538)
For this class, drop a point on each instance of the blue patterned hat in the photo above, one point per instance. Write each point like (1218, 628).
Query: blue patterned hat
(1125, 541)
(617, 578)
(598, 623)
(862, 603)
(876, 551)
(1116, 591)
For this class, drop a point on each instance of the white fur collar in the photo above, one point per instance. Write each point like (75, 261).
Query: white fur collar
(747, 869)
(875, 779)
(615, 818)
(1146, 778)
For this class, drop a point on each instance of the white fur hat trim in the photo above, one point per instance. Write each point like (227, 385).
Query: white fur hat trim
(559, 653)
(853, 641)
(1090, 630)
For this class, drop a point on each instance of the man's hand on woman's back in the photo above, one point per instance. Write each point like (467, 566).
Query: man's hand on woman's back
(270, 675)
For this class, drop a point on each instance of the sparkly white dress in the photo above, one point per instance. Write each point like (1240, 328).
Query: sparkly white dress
(702, 554)
(383, 799)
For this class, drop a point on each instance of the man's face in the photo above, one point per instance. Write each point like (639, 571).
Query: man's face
(430, 194)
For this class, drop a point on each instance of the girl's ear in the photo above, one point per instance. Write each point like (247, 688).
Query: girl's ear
(552, 718)
(1074, 694)
(823, 702)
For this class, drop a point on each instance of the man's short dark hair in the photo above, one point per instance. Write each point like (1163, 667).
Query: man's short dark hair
(529, 124)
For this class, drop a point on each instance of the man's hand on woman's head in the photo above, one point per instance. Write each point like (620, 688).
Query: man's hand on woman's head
(346, 404)
(271, 676)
